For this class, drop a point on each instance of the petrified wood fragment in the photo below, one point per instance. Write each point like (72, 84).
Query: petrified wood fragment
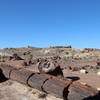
(21, 75)
(37, 81)
(56, 87)
(78, 91)
(6, 69)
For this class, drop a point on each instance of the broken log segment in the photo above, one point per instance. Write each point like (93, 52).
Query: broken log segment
(56, 88)
(21, 75)
(37, 81)
(6, 70)
(78, 91)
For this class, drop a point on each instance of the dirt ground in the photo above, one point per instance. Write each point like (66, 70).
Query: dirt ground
(12, 90)
(91, 79)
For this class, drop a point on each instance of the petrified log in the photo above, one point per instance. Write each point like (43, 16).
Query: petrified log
(56, 87)
(78, 91)
(6, 70)
(37, 81)
(50, 67)
(21, 75)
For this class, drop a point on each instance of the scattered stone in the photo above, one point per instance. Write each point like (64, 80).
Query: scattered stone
(16, 57)
(24, 63)
(98, 63)
(83, 83)
(98, 73)
(75, 69)
(98, 89)
(83, 71)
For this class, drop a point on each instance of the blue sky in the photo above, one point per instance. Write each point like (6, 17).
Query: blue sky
(44, 23)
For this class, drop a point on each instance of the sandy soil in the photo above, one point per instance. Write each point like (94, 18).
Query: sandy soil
(12, 90)
(91, 79)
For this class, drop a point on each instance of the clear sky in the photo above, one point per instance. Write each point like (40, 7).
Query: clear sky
(44, 23)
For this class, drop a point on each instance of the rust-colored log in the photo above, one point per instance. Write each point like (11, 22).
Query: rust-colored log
(78, 91)
(57, 87)
(37, 81)
(6, 70)
(21, 75)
